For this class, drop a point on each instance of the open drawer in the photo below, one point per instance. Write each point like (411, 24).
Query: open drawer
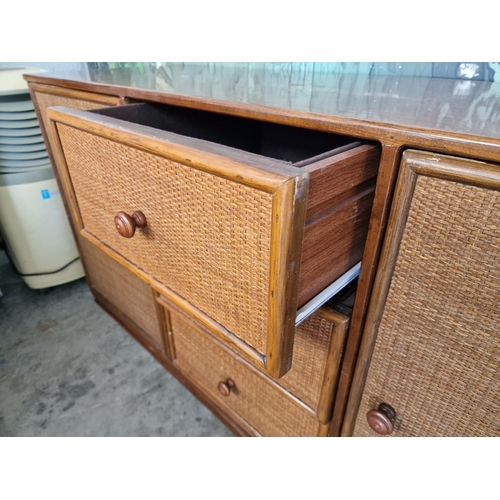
(245, 221)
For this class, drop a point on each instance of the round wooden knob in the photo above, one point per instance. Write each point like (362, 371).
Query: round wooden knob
(382, 419)
(126, 224)
(225, 387)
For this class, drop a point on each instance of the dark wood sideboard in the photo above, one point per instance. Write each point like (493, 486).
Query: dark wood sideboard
(209, 211)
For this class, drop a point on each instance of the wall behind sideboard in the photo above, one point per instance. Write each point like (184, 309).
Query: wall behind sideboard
(48, 66)
(457, 70)
(489, 71)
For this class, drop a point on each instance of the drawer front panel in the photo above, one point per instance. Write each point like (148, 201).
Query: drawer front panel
(312, 345)
(263, 404)
(223, 235)
(207, 238)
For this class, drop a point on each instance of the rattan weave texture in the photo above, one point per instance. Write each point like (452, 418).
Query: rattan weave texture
(310, 351)
(437, 354)
(268, 409)
(207, 238)
(49, 100)
(122, 288)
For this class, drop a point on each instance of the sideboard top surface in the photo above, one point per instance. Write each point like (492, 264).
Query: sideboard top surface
(400, 111)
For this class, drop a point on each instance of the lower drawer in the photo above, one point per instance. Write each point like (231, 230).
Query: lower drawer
(318, 347)
(266, 406)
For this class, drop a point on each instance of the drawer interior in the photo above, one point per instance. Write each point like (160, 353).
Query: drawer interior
(294, 145)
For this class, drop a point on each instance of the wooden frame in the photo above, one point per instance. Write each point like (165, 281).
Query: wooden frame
(415, 124)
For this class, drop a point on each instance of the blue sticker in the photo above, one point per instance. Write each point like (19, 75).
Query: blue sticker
(45, 194)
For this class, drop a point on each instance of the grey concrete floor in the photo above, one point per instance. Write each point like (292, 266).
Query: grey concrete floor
(68, 369)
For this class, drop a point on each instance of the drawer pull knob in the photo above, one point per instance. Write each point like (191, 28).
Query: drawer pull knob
(126, 224)
(382, 419)
(225, 387)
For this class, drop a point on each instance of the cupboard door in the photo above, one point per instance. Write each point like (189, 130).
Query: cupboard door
(435, 356)
(123, 294)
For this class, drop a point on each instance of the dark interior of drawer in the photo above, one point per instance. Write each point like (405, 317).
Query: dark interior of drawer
(281, 142)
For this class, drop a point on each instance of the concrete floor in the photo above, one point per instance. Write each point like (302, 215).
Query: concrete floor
(68, 369)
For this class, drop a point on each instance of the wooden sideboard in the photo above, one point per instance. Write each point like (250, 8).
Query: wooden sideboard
(209, 212)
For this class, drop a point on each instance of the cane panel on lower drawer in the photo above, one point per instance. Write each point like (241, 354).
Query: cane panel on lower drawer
(255, 397)
(318, 347)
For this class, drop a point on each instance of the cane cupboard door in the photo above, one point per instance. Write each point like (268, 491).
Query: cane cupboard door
(432, 367)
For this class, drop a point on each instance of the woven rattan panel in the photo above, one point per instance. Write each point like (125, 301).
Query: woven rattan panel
(49, 100)
(207, 238)
(310, 351)
(437, 355)
(122, 288)
(264, 406)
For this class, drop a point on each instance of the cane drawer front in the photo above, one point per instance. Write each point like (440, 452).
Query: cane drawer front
(123, 289)
(318, 345)
(255, 397)
(220, 234)
(436, 359)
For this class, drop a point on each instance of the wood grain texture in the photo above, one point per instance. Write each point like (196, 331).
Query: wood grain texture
(289, 210)
(51, 95)
(340, 321)
(386, 179)
(337, 178)
(169, 335)
(333, 244)
(434, 114)
(243, 168)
